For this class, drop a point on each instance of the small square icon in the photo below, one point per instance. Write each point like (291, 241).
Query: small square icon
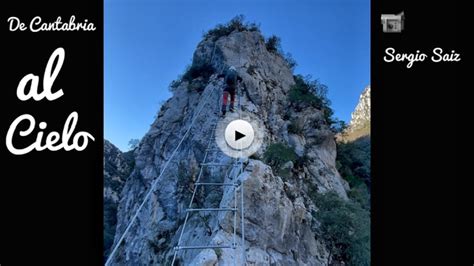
(393, 22)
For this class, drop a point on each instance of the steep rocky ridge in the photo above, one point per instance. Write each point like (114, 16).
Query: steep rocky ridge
(117, 167)
(359, 126)
(278, 220)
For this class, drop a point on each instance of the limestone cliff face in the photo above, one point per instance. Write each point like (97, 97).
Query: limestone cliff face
(278, 221)
(360, 118)
(117, 167)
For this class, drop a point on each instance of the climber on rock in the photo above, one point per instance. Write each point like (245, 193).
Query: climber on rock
(231, 79)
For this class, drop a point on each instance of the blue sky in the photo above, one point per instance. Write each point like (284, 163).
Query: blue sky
(149, 43)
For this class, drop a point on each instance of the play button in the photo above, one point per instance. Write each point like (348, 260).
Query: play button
(239, 134)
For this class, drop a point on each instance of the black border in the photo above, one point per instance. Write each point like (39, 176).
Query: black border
(51, 202)
(414, 139)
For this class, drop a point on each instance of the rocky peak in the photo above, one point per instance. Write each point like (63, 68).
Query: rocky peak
(279, 222)
(360, 118)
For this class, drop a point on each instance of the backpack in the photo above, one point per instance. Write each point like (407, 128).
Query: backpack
(231, 78)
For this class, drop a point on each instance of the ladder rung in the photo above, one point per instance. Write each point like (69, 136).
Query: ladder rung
(204, 247)
(215, 164)
(215, 184)
(211, 209)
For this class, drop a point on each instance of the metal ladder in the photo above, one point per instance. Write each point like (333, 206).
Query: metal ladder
(234, 209)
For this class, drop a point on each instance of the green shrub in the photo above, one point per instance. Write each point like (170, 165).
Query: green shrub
(218, 252)
(328, 114)
(254, 157)
(197, 85)
(133, 144)
(235, 24)
(361, 195)
(353, 163)
(354, 160)
(344, 227)
(198, 70)
(290, 61)
(277, 154)
(302, 161)
(298, 95)
(174, 84)
(295, 128)
(273, 44)
(339, 126)
(308, 92)
(284, 173)
(353, 181)
(110, 221)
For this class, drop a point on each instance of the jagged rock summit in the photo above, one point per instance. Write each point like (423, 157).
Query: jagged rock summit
(278, 199)
(360, 118)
